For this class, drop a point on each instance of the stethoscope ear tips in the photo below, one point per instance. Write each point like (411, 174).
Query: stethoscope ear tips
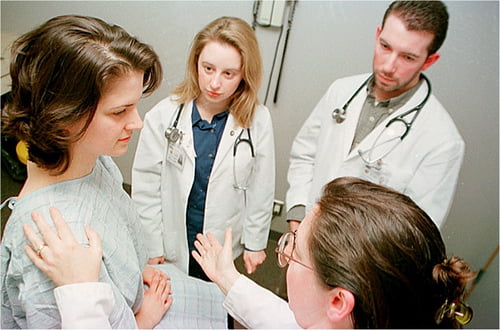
(338, 115)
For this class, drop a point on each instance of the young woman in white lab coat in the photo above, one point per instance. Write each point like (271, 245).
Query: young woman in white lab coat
(366, 256)
(228, 184)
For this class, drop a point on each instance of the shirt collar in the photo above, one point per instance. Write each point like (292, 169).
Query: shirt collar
(196, 118)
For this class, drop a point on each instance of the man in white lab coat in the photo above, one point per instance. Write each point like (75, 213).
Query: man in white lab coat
(421, 158)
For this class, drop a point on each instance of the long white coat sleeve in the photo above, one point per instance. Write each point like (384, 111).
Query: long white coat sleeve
(260, 193)
(258, 308)
(85, 305)
(146, 180)
(303, 158)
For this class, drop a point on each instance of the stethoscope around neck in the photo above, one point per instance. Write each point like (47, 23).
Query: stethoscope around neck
(173, 135)
(396, 129)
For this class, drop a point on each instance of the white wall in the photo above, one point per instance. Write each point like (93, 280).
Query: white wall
(328, 40)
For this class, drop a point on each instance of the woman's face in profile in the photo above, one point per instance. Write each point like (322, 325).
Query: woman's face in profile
(308, 297)
(115, 119)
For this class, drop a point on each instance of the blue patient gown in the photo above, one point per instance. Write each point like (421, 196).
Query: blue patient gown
(97, 200)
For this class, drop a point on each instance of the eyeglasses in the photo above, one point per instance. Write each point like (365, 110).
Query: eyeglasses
(286, 241)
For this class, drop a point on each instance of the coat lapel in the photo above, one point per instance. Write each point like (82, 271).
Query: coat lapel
(229, 135)
(186, 127)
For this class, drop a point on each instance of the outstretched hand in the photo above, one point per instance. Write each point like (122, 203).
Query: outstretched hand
(59, 255)
(217, 260)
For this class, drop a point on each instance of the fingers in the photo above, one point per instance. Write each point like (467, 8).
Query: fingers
(228, 238)
(196, 255)
(33, 238)
(48, 235)
(161, 288)
(35, 258)
(168, 303)
(200, 248)
(253, 259)
(155, 282)
(166, 286)
(63, 230)
(213, 242)
(209, 241)
(94, 240)
(203, 240)
(156, 260)
(249, 266)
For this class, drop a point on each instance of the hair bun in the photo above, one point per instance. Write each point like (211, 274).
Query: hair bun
(453, 275)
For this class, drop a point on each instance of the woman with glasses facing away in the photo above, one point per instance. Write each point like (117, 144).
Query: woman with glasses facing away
(205, 158)
(366, 256)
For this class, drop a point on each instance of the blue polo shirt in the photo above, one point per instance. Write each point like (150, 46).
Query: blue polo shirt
(206, 137)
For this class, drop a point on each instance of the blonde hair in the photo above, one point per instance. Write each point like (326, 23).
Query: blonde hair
(237, 33)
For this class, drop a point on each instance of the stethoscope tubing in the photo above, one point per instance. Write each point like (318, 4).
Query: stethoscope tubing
(340, 115)
(172, 134)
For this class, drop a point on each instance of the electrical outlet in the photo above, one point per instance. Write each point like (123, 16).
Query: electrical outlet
(278, 207)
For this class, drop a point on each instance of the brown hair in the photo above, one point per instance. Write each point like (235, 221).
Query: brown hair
(238, 34)
(379, 245)
(430, 16)
(59, 71)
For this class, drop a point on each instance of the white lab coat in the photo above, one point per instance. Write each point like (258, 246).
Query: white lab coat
(161, 190)
(85, 305)
(424, 166)
(258, 308)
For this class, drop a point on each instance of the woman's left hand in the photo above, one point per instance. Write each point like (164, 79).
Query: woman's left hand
(59, 255)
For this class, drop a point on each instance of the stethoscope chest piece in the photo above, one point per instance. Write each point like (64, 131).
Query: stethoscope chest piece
(338, 115)
(172, 134)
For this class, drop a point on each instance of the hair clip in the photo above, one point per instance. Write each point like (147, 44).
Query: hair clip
(456, 310)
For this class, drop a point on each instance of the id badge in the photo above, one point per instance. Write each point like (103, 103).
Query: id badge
(175, 155)
(378, 174)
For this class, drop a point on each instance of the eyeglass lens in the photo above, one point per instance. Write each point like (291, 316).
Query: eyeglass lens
(284, 242)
